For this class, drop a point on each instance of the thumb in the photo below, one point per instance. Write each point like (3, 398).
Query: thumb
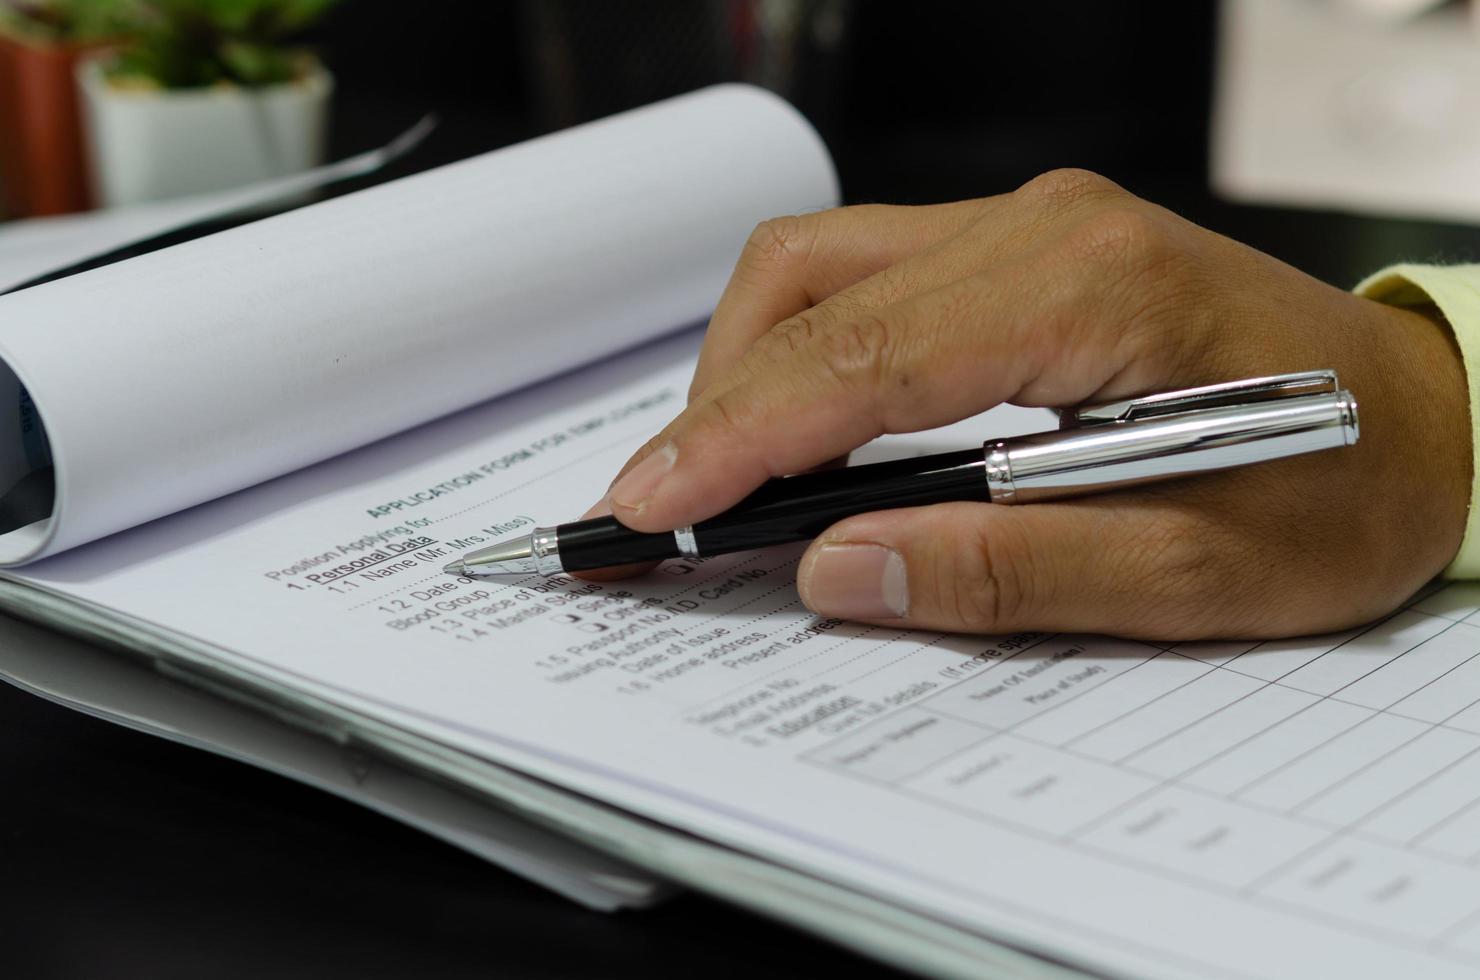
(1096, 566)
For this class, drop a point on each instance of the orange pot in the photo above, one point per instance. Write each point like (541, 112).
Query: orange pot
(42, 166)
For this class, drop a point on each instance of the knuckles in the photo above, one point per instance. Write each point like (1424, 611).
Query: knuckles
(1117, 236)
(1067, 186)
(1111, 229)
(1133, 250)
(727, 414)
(855, 349)
(1143, 279)
(778, 240)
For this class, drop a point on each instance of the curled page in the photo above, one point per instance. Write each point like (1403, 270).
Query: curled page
(137, 390)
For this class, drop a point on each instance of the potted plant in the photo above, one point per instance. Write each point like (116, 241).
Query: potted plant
(41, 156)
(203, 95)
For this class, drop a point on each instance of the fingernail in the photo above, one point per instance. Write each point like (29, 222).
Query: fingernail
(856, 581)
(633, 490)
(602, 508)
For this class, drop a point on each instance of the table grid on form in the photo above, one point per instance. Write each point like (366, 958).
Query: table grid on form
(1337, 776)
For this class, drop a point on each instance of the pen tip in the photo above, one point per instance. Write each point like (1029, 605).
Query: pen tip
(508, 557)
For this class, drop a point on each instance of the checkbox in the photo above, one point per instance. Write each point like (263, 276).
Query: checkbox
(678, 568)
(592, 627)
(567, 618)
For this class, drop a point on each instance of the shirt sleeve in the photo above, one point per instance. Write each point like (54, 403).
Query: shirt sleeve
(1455, 291)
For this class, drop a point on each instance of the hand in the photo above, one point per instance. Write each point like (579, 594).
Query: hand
(840, 326)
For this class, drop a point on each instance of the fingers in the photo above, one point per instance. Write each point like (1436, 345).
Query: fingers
(849, 260)
(809, 392)
(1134, 566)
(603, 508)
(793, 263)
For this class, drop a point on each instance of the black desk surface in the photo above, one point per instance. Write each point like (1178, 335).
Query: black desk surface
(124, 856)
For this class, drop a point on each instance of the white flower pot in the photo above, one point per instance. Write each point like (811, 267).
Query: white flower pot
(150, 144)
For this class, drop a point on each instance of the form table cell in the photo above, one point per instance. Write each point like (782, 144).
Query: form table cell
(1336, 758)
(1457, 600)
(1358, 658)
(1111, 701)
(1167, 716)
(1429, 804)
(1384, 779)
(1194, 834)
(1312, 724)
(1456, 837)
(1464, 939)
(1380, 887)
(1450, 699)
(1042, 679)
(1215, 652)
(1229, 732)
(904, 743)
(1028, 784)
(1427, 674)
(1272, 660)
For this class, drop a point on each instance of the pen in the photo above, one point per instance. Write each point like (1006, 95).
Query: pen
(1097, 448)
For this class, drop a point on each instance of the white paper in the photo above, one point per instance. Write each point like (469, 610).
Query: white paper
(1300, 808)
(191, 372)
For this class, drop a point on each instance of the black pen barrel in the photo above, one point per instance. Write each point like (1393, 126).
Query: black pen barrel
(603, 542)
(801, 507)
(793, 508)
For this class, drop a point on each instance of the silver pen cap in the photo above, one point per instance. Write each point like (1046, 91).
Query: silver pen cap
(1179, 433)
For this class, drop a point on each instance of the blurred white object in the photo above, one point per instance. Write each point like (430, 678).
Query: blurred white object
(1391, 10)
(150, 145)
(1316, 107)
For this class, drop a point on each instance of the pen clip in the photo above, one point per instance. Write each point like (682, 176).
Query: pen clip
(1250, 391)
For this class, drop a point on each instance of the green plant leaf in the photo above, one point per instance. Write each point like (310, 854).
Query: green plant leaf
(58, 21)
(297, 15)
(258, 64)
(191, 43)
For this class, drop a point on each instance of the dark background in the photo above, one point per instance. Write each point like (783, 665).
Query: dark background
(919, 101)
(124, 856)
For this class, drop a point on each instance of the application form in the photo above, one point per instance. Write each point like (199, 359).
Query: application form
(1308, 807)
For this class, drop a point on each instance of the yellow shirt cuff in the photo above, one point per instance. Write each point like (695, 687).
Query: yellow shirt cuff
(1455, 290)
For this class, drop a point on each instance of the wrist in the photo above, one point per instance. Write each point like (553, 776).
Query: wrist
(1434, 312)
